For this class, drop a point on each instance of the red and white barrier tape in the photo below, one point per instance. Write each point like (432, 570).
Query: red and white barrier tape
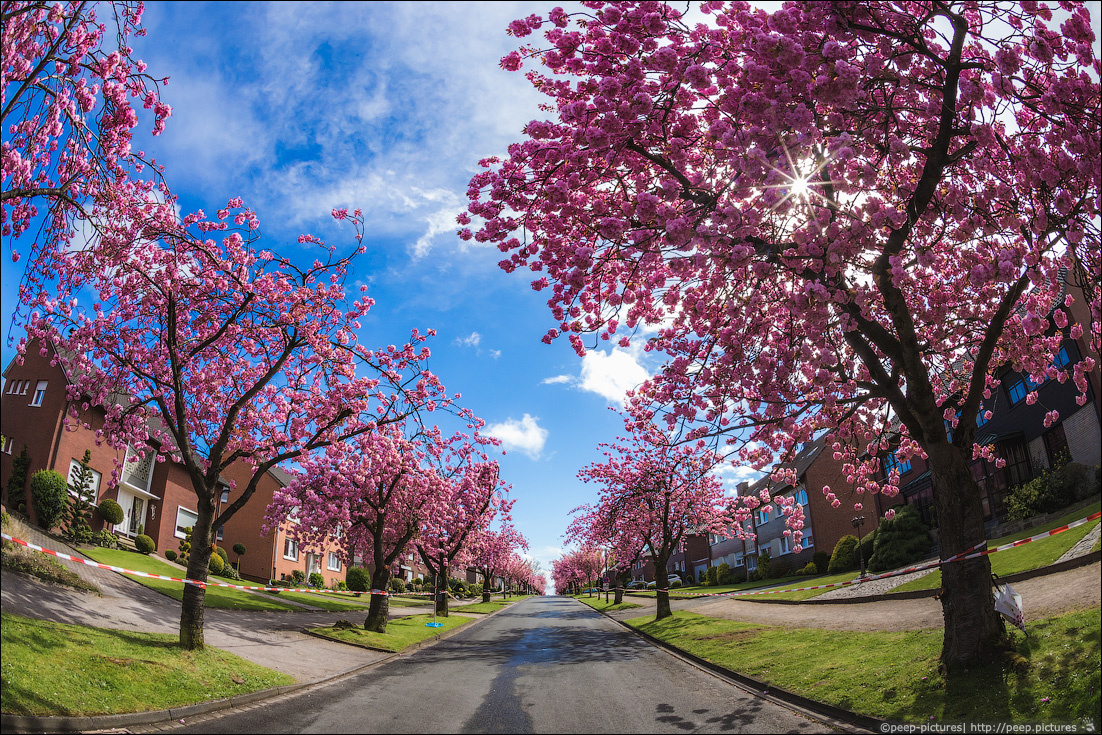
(197, 583)
(970, 554)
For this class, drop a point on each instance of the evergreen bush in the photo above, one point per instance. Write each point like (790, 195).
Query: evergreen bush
(49, 497)
(358, 579)
(78, 515)
(844, 557)
(216, 565)
(821, 560)
(809, 569)
(901, 541)
(17, 483)
(144, 544)
(675, 584)
(397, 585)
(185, 546)
(229, 572)
(868, 545)
(170, 554)
(712, 576)
(724, 575)
(765, 565)
(317, 580)
(298, 578)
(105, 538)
(110, 511)
(222, 553)
(1051, 491)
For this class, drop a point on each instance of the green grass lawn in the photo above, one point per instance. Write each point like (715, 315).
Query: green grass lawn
(323, 601)
(781, 583)
(72, 670)
(365, 599)
(216, 597)
(400, 632)
(1033, 555)
(895, 676)
(598, 603)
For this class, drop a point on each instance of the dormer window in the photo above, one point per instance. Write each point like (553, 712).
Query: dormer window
(137, 469)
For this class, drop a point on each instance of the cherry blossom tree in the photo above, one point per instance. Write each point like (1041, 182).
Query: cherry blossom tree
(491, 550)
(373, 489)
(843, 217)
(474, 495)
(653, 492)
(67, 78)
(213, 352)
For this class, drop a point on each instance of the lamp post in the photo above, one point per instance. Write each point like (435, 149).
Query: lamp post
(857, 522)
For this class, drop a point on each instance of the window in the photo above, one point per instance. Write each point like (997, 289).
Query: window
(806, 542)
(334, 562)
(185, 519)
(891, 462)
(981, 417)
(7, 445)
(1056, 445)
(137, 469)
(751, 563)
(93, 488)
(763, 515)
(290, 549)
(221, 533)
(740, 559)
(801, 496)
(225, 496)
(786, 544)
(1062, 358)
(39, 393)
(715, 538)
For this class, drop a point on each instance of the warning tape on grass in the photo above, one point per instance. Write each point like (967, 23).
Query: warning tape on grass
(197, 583)
(972, 553)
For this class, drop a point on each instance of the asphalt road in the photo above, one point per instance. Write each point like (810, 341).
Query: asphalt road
(546, 664)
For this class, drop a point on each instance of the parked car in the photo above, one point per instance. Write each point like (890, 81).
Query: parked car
(636, 585)
(673, 578)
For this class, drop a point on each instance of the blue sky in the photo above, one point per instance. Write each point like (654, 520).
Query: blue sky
(300, 108)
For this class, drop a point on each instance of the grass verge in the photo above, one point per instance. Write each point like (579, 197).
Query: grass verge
(216, 597)
(894, 675)
(324, 602)
(73, 670)
(1033, 555)
(400, 632)
(598, 603)
(20, 559)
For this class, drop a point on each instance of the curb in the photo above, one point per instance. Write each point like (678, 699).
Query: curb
(31, 724)
(827, 713)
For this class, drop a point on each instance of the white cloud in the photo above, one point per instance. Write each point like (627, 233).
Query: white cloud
(558, 379)
(525, 436)
(611, 374)
(471, 341)
(495, 354)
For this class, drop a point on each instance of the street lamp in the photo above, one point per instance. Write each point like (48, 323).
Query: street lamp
(857, 522)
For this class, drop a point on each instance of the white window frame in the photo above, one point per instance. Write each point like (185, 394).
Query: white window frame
(97, 477)
(26, 387)
(220, 533)
(763, 515)
(333, 560)
(292, 545)
(39, 393)
(740, 560)
(7, 445)
(178, 531)
(225, 497)
(786, 545)
(807, 542)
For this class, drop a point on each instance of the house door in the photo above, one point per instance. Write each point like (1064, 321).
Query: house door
(137, 516)
(313, 564)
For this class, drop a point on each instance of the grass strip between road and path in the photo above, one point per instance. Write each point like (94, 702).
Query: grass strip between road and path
(894, 675)
(598, 603)
(217, 597)
(1034, 555)
(323, 602)
(55, 669)
(401, 633)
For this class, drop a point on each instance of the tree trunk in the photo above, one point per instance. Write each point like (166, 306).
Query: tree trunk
(442, 593)
(379, 609)
(973, 635)
(664, 609)
(191, 609)
(619, 595)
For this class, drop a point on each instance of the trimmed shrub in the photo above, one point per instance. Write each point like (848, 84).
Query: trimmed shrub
(723, 574)
(868, 544)
(765, 565)
(185, 546)
(675, 584)
(17, 483)
(358, 579)
(222, 553)
(901, 541)
(239, 549)
(110, 511)
(810, 568)
(105, 538)
(229, 572)
(780, 568)
(754, 576)
(144, 544)
(170, 554)
(712, 575)
(216, 565)
(397, 585)
(1051, 491)
(341, 586)
(50, 497)
(298, 578)
(844, 557)
(78, 516)
(821, 559)
(317, 580)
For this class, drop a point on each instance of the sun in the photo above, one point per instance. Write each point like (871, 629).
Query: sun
(799, 187)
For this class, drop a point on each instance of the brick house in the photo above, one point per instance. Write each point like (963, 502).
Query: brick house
(156, 496)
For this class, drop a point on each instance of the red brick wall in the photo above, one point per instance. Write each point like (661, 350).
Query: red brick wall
(830, 524)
